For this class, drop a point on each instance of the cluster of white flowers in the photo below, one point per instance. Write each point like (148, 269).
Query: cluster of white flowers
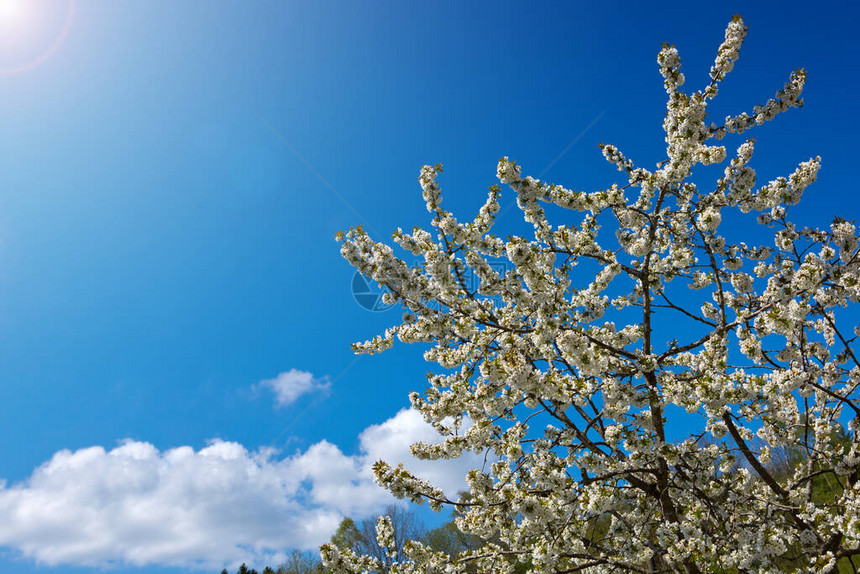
(727, 54)
(670, 68)
(572, 411)
(613, 155)
(709, 219)
(787, 97)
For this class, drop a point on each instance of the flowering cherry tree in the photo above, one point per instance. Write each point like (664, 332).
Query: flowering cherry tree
(558, 369)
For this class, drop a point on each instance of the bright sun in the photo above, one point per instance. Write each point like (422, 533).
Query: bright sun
(13, 14)
(31, 31)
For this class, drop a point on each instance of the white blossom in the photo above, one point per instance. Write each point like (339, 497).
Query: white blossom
(572, 362)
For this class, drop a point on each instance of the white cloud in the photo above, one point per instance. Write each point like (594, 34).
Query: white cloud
(390, 441)
(292, 384)
(210, 508)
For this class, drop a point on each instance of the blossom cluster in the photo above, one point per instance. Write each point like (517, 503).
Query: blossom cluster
(568, 367)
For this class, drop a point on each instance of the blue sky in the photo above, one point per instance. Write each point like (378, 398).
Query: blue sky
(171, 178)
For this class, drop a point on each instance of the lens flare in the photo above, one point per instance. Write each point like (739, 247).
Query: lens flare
(31, 31)
(12, 12)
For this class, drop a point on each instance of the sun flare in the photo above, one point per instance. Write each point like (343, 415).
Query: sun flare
(31, 31)
(13, 15)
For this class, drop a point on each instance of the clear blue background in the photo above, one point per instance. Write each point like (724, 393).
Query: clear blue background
(162, 249)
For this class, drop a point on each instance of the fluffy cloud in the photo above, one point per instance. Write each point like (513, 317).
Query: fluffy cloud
(216, 506)
(390, 441)
(289, 386)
